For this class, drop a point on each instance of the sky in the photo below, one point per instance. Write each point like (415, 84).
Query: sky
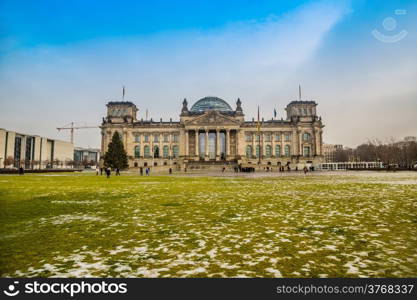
(62, 61)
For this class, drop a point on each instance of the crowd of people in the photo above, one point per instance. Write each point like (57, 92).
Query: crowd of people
(236, 169)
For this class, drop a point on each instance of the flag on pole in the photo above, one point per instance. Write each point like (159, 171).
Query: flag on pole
(275, 113)
(123, 93)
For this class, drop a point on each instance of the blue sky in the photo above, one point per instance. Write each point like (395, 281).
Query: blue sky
(61, 61)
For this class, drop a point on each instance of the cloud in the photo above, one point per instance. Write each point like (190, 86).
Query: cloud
(252, 60)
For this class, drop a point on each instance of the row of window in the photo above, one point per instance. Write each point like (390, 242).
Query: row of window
(156, 151)
(268, 137)
(305, 111)
(268, 151)
(156, 138)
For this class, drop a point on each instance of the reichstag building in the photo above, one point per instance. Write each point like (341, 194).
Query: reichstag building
(211, 133)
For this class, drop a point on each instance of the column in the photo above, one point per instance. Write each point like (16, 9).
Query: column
(294, 138)
(197, 139)
(314, 143)
(206, 145)
(170, 152)
(320, 143)
(262, 149)
(237, 142)
(161, 145)
(217, 143)
(273, 133)
(227, 142)
(186, 142)
(151, 137)
(253, 143)
(142, 145)
(103, 142)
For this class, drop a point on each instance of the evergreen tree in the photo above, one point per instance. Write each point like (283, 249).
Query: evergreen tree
(116, 156)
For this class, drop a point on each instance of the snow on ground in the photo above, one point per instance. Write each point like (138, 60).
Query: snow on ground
(351, 224)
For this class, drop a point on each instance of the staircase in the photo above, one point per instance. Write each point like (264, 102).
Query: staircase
(210, 164)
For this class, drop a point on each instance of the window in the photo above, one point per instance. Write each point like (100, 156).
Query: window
(146, 138)
(156, 152)
(146, 151)
(176, 137)
(299, 111)
(175, 151)
(165, 151)
(277, 150)
(248, 137)
(310, 111)
(278, 136)
(306, 136)
(258, 137)
(137, 151)
(267, 137)
(287, 150)
(268, 151)
(156, 138)
(305, 111)
(258, 151)
(306, 151)
(166, 138)
(137, 138)
(287, 137)
(248, 151)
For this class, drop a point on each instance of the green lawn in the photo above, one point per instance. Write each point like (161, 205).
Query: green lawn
(334, 225)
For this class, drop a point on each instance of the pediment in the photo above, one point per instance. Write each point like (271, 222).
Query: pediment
(212, 118)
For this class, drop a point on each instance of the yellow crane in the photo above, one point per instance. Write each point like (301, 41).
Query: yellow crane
(71, 127)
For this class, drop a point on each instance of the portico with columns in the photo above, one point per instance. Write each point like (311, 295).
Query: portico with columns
(210, 143)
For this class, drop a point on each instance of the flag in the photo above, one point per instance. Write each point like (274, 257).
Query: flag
(123, 92)
(275, 113)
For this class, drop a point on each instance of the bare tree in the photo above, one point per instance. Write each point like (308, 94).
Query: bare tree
(8, 161)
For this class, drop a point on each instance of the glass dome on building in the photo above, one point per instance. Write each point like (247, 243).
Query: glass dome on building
(210, 103)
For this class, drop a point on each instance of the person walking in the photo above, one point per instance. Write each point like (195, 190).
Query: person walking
(141, 171)
(117, 172)
(170, 170)
(305, 170)
(108, 172)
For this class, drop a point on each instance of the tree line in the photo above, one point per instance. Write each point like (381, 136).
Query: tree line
(403, 154)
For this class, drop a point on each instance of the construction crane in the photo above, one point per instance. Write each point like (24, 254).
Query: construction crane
(71, 127)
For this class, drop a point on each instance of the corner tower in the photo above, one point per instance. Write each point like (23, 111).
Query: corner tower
(121, 112)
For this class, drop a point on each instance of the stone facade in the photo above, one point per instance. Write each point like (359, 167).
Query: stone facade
(330, 150)
(212, 133)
